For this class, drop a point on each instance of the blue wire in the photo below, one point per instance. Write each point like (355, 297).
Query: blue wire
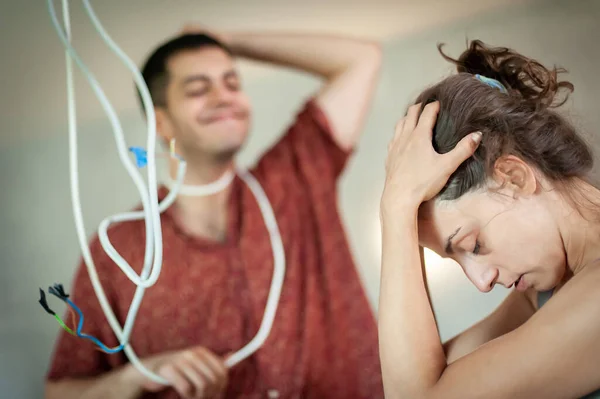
(93, 339)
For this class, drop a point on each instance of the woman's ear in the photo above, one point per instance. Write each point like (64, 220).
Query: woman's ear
(515, 175)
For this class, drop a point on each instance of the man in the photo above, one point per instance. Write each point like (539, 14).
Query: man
(217, 269)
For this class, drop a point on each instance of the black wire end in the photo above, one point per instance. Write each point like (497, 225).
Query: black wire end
(59, 291)
(44, 304)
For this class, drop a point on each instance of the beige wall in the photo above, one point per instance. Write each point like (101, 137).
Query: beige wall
(37, 241)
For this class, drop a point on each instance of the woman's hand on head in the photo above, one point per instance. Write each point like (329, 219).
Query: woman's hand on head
(415, 172)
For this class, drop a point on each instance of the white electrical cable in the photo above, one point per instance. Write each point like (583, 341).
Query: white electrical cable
(149, 195)
(75, 196)
(153, 216)
(278, 263)
(278, 271)
(208, 189)
(131, 169)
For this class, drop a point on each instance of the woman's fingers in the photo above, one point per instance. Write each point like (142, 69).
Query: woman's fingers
(412, 117)
(463, 151)
(428, 119)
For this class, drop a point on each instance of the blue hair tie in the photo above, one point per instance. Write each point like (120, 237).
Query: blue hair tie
(491, 82)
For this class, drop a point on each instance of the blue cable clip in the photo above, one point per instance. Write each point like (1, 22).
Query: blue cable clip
(141, 156)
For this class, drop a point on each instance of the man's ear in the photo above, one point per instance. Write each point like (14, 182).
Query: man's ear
(164, 128)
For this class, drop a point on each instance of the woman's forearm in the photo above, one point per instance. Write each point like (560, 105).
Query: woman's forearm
(411, 352)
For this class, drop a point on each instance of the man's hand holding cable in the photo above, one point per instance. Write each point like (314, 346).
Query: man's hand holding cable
(194, 373)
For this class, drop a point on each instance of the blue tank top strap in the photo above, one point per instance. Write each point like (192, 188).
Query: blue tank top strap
(543, 297)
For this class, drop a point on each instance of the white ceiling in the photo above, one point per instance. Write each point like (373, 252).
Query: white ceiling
(32, 61)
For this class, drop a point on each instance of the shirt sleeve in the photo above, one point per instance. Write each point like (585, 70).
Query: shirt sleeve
(307, 150)
(75, 357)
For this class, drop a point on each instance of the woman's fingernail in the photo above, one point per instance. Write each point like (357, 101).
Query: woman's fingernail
(476, 137)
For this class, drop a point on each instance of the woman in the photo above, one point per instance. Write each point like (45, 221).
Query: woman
(484, 171)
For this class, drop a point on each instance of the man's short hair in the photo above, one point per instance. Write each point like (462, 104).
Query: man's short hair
(155, 71)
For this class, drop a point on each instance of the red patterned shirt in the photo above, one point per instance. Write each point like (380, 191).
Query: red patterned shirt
(323, 343)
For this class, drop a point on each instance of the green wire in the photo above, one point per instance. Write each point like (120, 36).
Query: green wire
(63, 325)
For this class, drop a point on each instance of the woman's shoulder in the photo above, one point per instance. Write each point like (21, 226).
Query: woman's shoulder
(573, 306)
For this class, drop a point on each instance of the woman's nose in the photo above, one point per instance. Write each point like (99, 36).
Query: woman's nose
(483, 277)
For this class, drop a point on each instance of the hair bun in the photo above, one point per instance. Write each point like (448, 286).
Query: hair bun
(519, 74)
